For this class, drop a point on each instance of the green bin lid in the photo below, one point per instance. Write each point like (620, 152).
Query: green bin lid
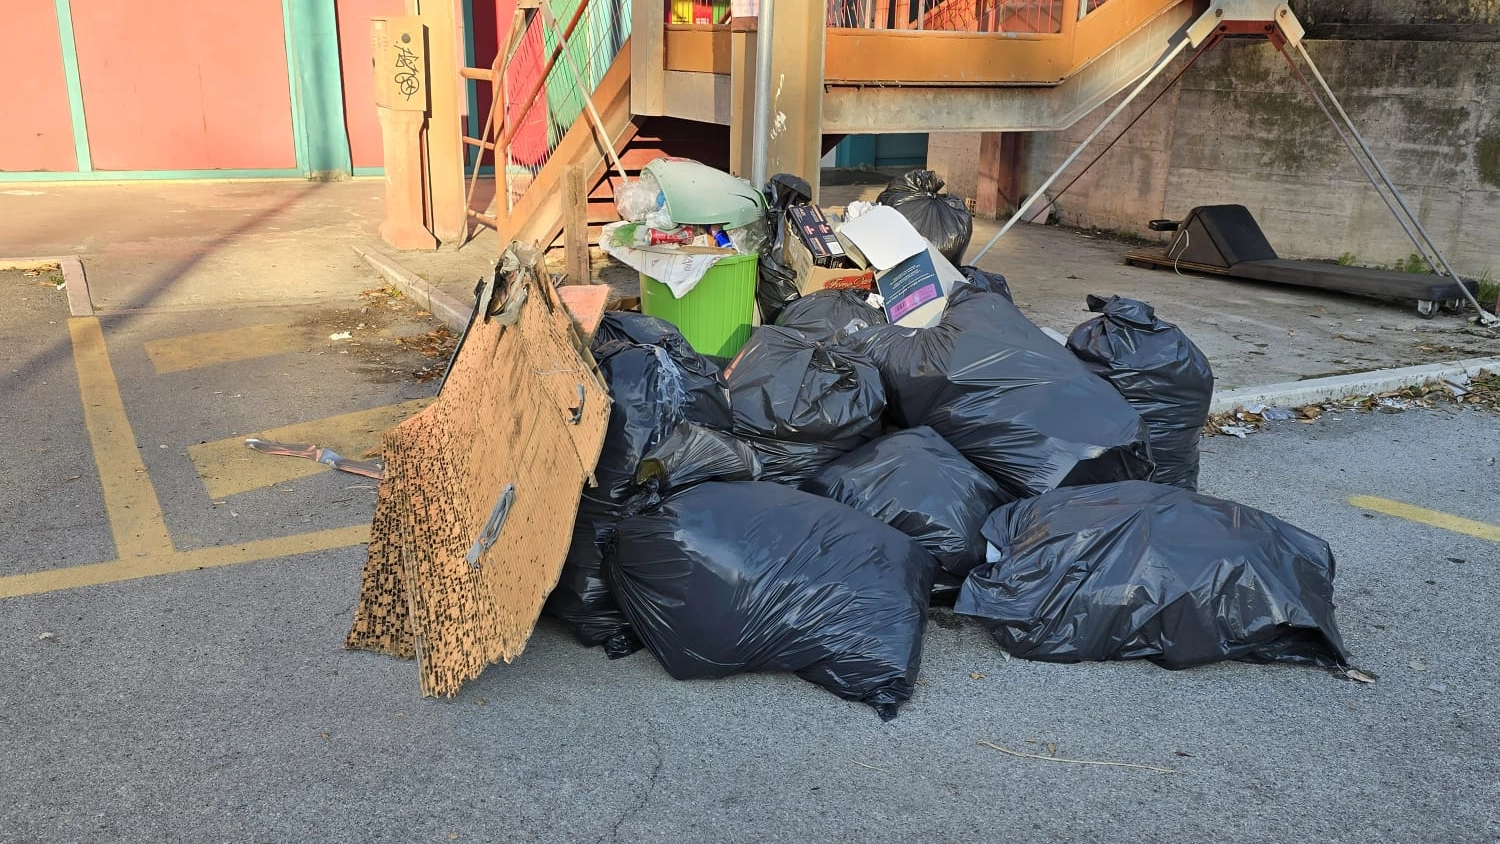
(701, 195)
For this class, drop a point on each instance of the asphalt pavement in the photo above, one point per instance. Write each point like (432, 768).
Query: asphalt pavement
(208, 698)
(173, 605)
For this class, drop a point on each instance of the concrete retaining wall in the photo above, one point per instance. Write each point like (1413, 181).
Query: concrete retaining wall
(1240, 129)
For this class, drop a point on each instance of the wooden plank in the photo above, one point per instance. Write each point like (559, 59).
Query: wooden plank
(797, 71)
(647, 58)
(576, 225)
(445, 147)
(858, 56)
(1111, 23)
(697, 48)
(1157, 259)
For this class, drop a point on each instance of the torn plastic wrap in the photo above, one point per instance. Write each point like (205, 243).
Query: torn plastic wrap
(1008, 397)
(725, 578)
(777, 284)
(944, 220)
(831, 315)
(707, 402)
(655, 386)
(917, 483)
(1159, 371)
(1139, 570)
(800, 404)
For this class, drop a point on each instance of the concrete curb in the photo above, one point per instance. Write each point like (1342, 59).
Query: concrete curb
(1313, 391)
(74, 281)
(429, 298)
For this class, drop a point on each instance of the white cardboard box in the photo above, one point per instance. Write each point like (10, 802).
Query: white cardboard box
(913, 277)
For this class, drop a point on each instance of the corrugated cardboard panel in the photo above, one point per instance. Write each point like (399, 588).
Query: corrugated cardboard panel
(509, 417)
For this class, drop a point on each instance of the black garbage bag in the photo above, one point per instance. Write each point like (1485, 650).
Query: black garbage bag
(831, 315)
(800, 404)
(1159, 371)
(707, 402)
(1011, 399)
(731, 577)
(917, 483)
(790, 463)
(1142, 570)
(692, 454)
(988, 282)
(944, 220)
(634, 327)
(777, 281)
(654, 388)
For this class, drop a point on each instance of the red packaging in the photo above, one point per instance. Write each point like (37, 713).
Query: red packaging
(679, 236)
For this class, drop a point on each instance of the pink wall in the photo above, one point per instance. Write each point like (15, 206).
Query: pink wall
(183, 84)
(358, 72)
(38, 132)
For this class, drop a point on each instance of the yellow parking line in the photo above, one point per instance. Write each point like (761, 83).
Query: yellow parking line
(1411, 512)
(130, 501)
(209, 348)
(140, 531)
(116, 571)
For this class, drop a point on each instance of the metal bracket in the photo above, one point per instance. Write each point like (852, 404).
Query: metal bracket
(492, 526)
(1231, 17)
(577, 411)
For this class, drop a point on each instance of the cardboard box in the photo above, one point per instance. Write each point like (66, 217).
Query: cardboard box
(913, 293)
(816, 234)
(880, 238)
(811, 278)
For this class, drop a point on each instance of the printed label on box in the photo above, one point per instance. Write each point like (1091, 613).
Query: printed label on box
(909, 285)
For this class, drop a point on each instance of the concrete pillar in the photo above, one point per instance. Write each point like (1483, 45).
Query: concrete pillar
(401, 136)
(445, 153)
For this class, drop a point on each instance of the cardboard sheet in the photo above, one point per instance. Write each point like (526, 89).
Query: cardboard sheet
(522, 416)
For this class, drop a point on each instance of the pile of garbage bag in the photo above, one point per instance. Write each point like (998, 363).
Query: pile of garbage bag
(1007, 396)
(657, 382)
(800, 509)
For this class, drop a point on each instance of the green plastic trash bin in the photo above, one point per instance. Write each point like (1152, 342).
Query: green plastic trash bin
(715, 315)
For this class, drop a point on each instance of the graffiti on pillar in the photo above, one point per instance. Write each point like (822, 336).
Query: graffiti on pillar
(408, 77)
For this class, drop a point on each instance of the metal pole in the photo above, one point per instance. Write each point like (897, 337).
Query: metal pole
(760, 146)
(1151, 75)
(1484, 318)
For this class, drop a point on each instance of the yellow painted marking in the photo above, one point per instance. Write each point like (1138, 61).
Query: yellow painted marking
(215, 347)
(228, 467)
(1413, 513)
(173, 562)
(130, 501)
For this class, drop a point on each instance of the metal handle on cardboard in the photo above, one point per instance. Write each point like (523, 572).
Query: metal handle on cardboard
(492, 526)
